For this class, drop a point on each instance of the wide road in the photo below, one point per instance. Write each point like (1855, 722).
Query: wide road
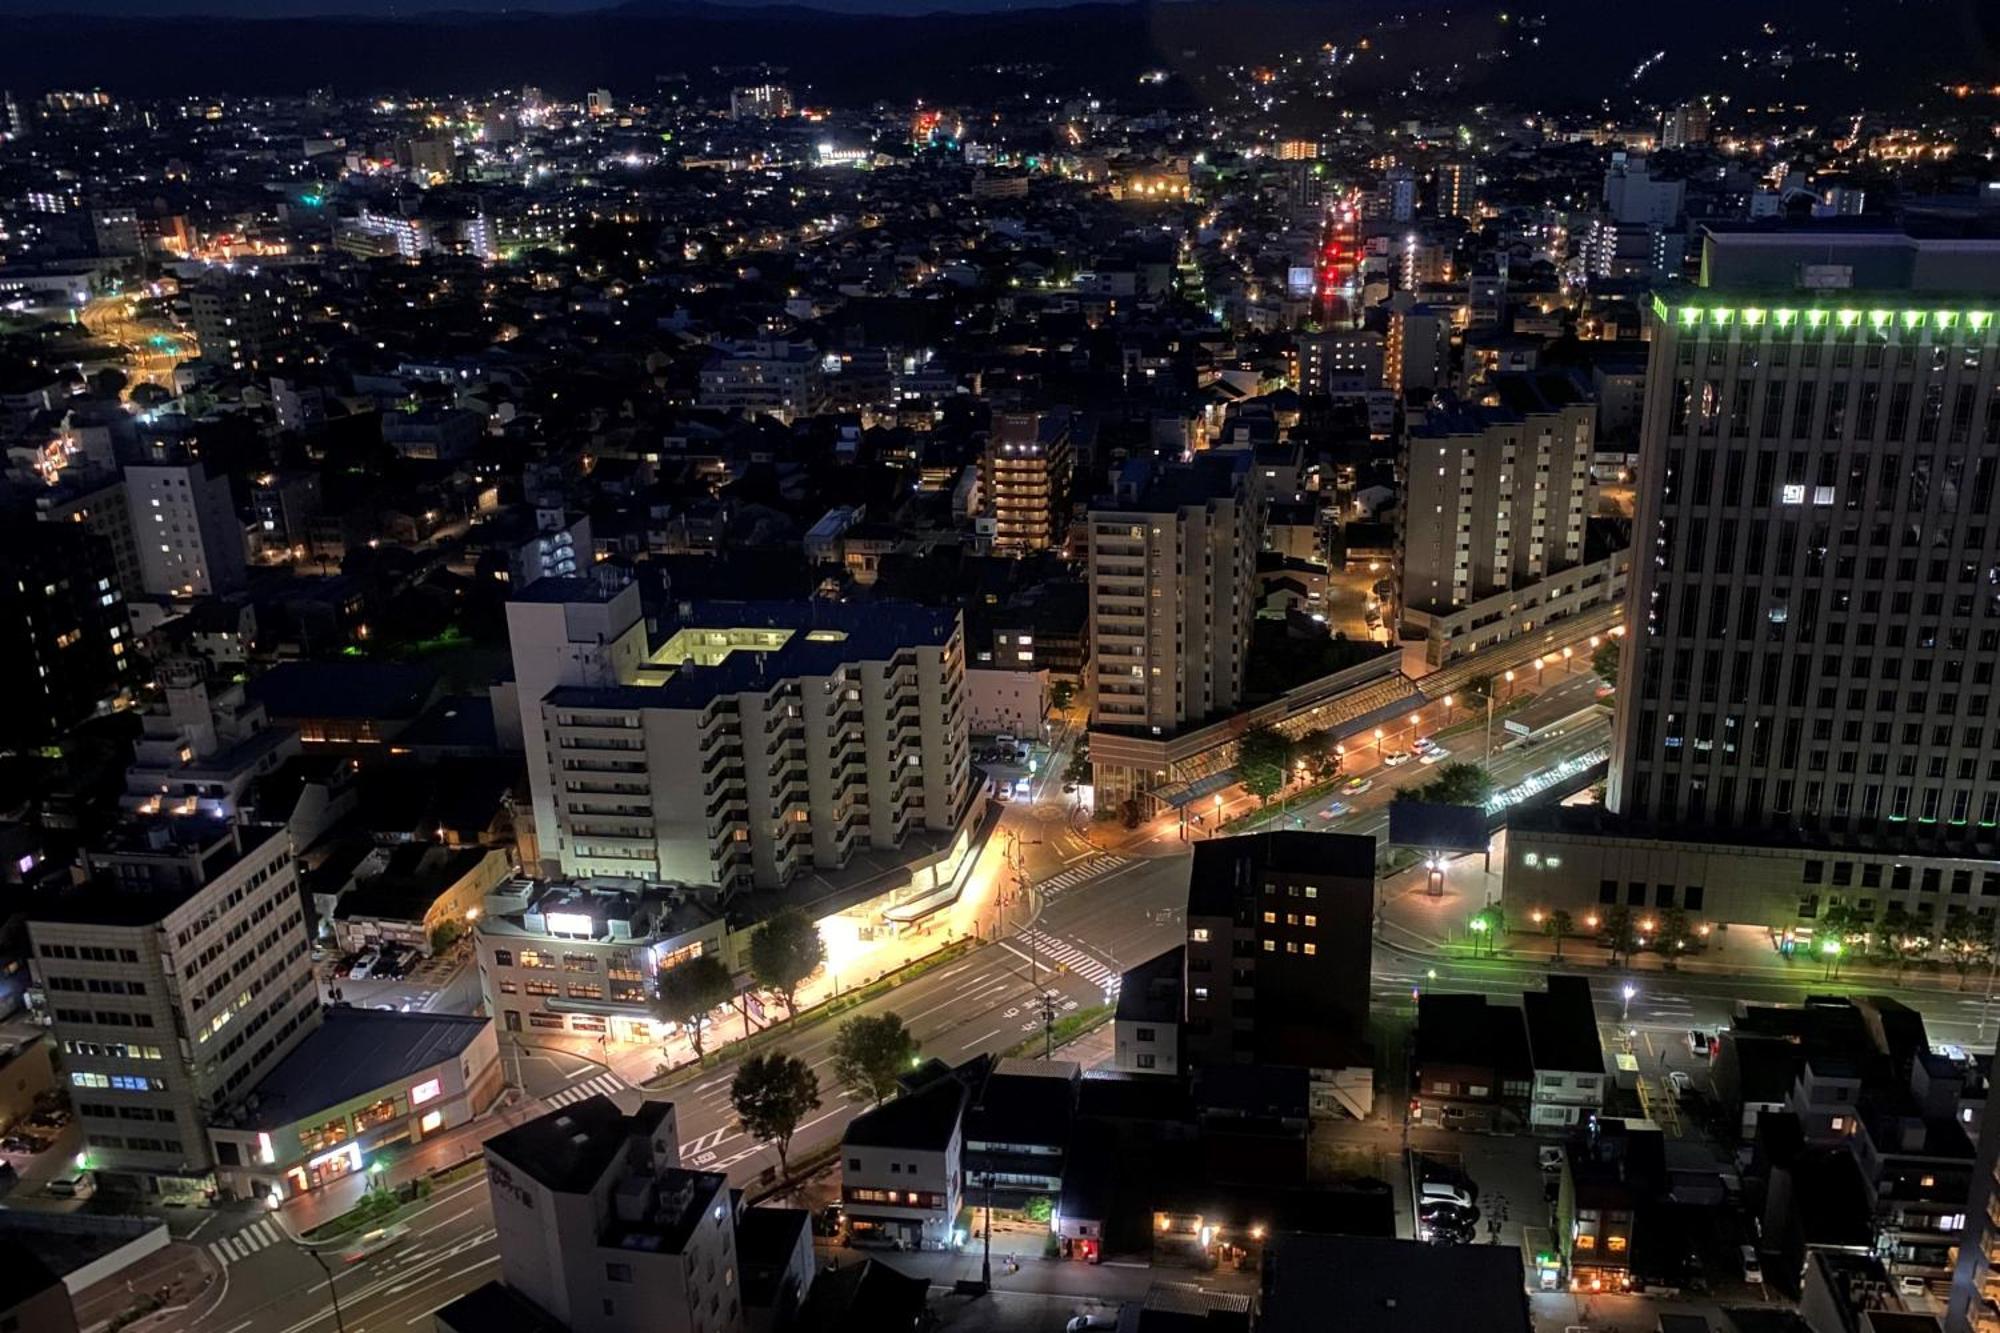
(982, 1003)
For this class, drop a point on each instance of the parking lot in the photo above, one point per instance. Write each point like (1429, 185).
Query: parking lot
(400, 978)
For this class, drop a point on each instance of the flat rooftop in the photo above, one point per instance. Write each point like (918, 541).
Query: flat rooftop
(355, 1051)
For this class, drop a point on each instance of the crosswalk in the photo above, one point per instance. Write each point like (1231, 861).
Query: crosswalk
(1052, 952)
(1088, 869)
(257, 1236)
(590, 1087)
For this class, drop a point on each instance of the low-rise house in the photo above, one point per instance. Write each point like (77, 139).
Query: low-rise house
(421, 895)
(1473, 1070)
(1567, 1055)
(903, 1168)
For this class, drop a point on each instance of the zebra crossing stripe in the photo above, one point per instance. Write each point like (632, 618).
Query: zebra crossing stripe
(217, 1253)
(576, 1092)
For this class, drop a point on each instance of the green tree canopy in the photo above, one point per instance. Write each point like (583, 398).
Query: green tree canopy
(1455, 784)
(1605, 662)
(783, 952)
(1263, 757)
(771, 1094)
(687, 992)
(870, 1054)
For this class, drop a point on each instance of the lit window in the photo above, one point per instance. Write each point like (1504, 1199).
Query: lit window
(1199, 934)
(424, 1092)
(1270, 918)
(1270, 946)
(1311, 949)
(431, 1121)
(1586, 1241)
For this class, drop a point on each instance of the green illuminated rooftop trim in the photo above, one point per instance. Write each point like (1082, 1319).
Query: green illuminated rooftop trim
(1847, 317)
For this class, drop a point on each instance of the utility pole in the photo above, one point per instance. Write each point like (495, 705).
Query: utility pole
(339, 1324)
(1048, 1025)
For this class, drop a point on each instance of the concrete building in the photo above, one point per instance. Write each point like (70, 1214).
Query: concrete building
(1497, 491)
(768, 378)
(1632, 194)
(1025, 476)
(1172, 569)
(363, 1082)
(901, 1175)
(64, 641)
(585, 958)
(177, 974)
(602, 1232)
(751, 688)
(95, 501)
(1975, 1288)
(1146, 1030)
(1566, 1052)
(1519, 613)
(1417, 348)
(1807, 654)
(1457, 190)
(185, 525)
(198, 754)
(1278, 956)
(1338, 361)
(246, 320)
(763, 101)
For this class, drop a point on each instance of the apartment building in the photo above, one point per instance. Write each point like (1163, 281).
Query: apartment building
(1974, 1305)
(1496, 491)
(585, 957)
(765, 378)
(176, 974)
(184, 523)
(600, 1231)
(757, 739)
(1025, 477)
(244, 320)
(1172, 572)
(902, 1176)
(199, 753)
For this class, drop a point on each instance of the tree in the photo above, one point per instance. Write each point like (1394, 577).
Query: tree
(1558, 924)
(1263, 757)
(1968, 943)
(1673, 930)
(1079, 761)
(870, 1054)
(687, 992)
(1455, 784)
(1479, 687)
(1060, 695)
(1605, 662)
(1488, 924)
(1619, 934)
(784, 951)
(772, 1093)
(1896, 945)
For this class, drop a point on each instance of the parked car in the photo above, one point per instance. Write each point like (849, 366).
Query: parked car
(826, 1222)
(1678, 1080)
(1753, 1268)
(364, 966)
(1909, 1284)
(1102, 1319)
(1550, 1156)
(1396, 758)
(1700, 1044)
(1444, 1191)
(77, 1186)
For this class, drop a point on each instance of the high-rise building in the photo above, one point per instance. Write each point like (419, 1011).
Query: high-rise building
(177, 974)
(185, 525)
(1338, 361)
(763, 101)
(1632, 194)
(1496, 490)
(1414, 351)
(64, 643)
(1278, 949)
(1173, 563)
(1457, 190)
(1686, 125)
(1811, 628)
(1974, 1306)
(1025, 476)
(1397, 195)
(244, 321)
(600, 1231)
(757, 739)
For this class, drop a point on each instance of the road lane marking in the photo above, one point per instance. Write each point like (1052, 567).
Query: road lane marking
(976, 1040)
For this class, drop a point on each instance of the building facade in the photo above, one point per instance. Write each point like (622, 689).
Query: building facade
(1025, 476)
(175, 976)
(184, 523)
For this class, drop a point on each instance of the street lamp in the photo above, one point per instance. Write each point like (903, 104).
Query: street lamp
(1628, 992)
(1218, 815)
(1508, 676)
(1567, 654)
(1447, 710)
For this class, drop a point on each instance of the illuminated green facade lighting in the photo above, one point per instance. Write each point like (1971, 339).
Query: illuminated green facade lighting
(1816, 318)
(1944, 319)
(1913, 319)
(1880, 317)
(1786, 318)
(1979, 319)
(1753, 316)
(1690, 314)
(1849, 318)
(1722, 314)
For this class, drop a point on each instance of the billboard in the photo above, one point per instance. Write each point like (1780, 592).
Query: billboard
(1429, 827)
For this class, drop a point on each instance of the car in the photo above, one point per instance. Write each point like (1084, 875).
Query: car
(1423, 743)
(1444, 1191)
(1101, 1319)
(1434, 756)
(373, 1242)
(1443, 1210)
(1396, 758)
(1955, 1054)
(364, 967)
(826, 1222)
(1678, 1080)
(1450, 1232)
(1334, 810)
(1700, 1044)
(1355, 786)
(77, 1186)
(21, 1143)
(1550, 1157)
(1753, 1268)
(1909, 1284)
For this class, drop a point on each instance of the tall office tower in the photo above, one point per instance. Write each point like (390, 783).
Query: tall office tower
(1811, 645)
(177, 973)
(1172, 565)
(1496, 490)
(1457, 190)
(185, 525)
(600, 1231)
(758, 739)
(1278, 949)
(1685, 125)
(63, 632)
(244, 321)
(1025, 476)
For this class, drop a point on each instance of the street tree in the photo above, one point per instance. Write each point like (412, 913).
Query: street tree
(1968, 944)
(1455, 784)
(1556, 925)
(687, 992)
(1479, 687)
(1620, 935)
(784, 951)
(1673, 930)
(1060, 695)
(771, 1094)
(1263, 757)
(870, 1054)
(1605, 662)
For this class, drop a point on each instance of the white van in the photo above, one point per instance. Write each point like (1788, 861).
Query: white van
(1444, 1191)
(78, 1186)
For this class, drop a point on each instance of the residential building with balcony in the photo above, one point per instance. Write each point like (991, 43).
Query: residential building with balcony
(756, 740)
(1025, 478)
(200, 754)
(902, 1178)
(1566, 1052)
